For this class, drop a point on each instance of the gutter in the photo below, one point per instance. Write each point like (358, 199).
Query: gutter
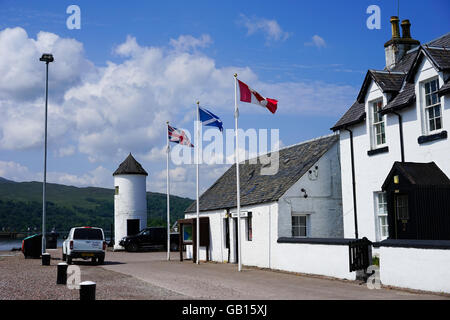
(400, 127)
(353, 182)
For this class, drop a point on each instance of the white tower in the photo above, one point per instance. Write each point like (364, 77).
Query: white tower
(130, 202)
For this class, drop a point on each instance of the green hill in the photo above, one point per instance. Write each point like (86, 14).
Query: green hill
(67, 206)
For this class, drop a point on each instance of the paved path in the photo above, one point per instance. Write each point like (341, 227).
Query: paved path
(223, 281)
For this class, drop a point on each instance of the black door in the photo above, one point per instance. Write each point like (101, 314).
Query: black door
(402, 218)
(236, 239)
(132, 227)
(227, 236)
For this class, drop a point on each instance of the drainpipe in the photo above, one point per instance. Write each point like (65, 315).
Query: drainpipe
(353, 182)
(400, 126)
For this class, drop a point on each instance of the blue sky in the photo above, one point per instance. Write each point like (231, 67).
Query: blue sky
(311, 56)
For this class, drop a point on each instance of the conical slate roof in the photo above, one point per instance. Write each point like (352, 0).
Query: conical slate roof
(130, 166)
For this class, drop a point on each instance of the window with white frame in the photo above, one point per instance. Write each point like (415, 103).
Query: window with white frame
(432, 106)
(378, 124)
(381, 215)
(299, 225)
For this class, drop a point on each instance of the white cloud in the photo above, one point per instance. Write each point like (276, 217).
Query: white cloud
(178, 174)
(66, 151)
(188, 42)
(106, 112)
(15, 171)
(271, 29)
(316, 41)
(100, 176)
(155, 154)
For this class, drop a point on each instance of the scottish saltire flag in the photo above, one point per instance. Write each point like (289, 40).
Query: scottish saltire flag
(179, 136)
(208, 118)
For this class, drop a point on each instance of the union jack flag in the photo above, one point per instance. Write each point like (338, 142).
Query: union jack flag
(179, 136)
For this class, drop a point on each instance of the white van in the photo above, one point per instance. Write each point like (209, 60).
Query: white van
(86, 243)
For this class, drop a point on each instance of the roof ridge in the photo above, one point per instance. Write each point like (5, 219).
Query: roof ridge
(310, 140)
(414, 49)
(293, 145)
(443, 48)
(387, 71)
(443, 36)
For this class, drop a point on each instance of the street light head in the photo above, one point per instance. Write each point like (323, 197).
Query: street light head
(47, 57)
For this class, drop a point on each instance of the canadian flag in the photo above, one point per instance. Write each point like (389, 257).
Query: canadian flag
(251, 96)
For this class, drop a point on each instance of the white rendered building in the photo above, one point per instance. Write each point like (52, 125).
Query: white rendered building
(302, 201)
(402, 114)
(130, 201)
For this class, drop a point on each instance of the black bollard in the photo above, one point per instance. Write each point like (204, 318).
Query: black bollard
(61, 277)
(46, 259)
(87, 290)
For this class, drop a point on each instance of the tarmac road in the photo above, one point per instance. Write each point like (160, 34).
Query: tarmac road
(223, 281)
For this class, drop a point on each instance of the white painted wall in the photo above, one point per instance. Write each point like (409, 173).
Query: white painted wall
(273, 220)
(255, 252)
(323, 204)
(420, 269)
(371, 171)
(130, 203)
(327, 260)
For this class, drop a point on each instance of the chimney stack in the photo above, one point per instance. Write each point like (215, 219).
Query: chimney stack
(394, 27)
(397, 47)
(406, 29)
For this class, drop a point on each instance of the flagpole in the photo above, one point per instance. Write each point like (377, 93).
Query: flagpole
(238, 193)
(197, 139)
(168, 196)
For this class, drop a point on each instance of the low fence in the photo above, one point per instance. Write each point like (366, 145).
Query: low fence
(415, 264)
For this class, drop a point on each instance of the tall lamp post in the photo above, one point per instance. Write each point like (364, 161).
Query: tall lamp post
(47, 58)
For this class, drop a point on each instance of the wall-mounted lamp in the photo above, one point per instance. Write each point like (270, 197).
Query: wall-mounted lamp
(313, 173)
(396, 179)
(304, 191)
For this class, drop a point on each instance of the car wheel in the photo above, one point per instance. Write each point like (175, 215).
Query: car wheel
(101, 260)
(174, 246)
(63, 256)
(94, 261)
(133, 247)
(69, 259)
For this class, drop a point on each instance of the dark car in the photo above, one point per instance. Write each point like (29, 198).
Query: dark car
(150, 238)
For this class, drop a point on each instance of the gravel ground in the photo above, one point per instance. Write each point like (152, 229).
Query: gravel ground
(149, 276)
(27, 279)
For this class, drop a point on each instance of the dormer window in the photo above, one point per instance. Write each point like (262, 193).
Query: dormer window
(378, 124)
(432, 104)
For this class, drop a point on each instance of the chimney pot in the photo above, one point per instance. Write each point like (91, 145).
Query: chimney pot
(406, 29)
(395, 27)
(396, 48)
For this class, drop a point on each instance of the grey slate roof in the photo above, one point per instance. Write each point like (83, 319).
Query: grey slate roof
(405, 97)
(388, 82)
(404, 65)
(441, 57)
(421, 174)
(404, 94)
(444, 89)
(442, 41)
(355, 114)
(255, 188)
(130, 166)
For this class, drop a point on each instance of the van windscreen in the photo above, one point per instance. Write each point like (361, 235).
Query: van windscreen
(87, 234)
